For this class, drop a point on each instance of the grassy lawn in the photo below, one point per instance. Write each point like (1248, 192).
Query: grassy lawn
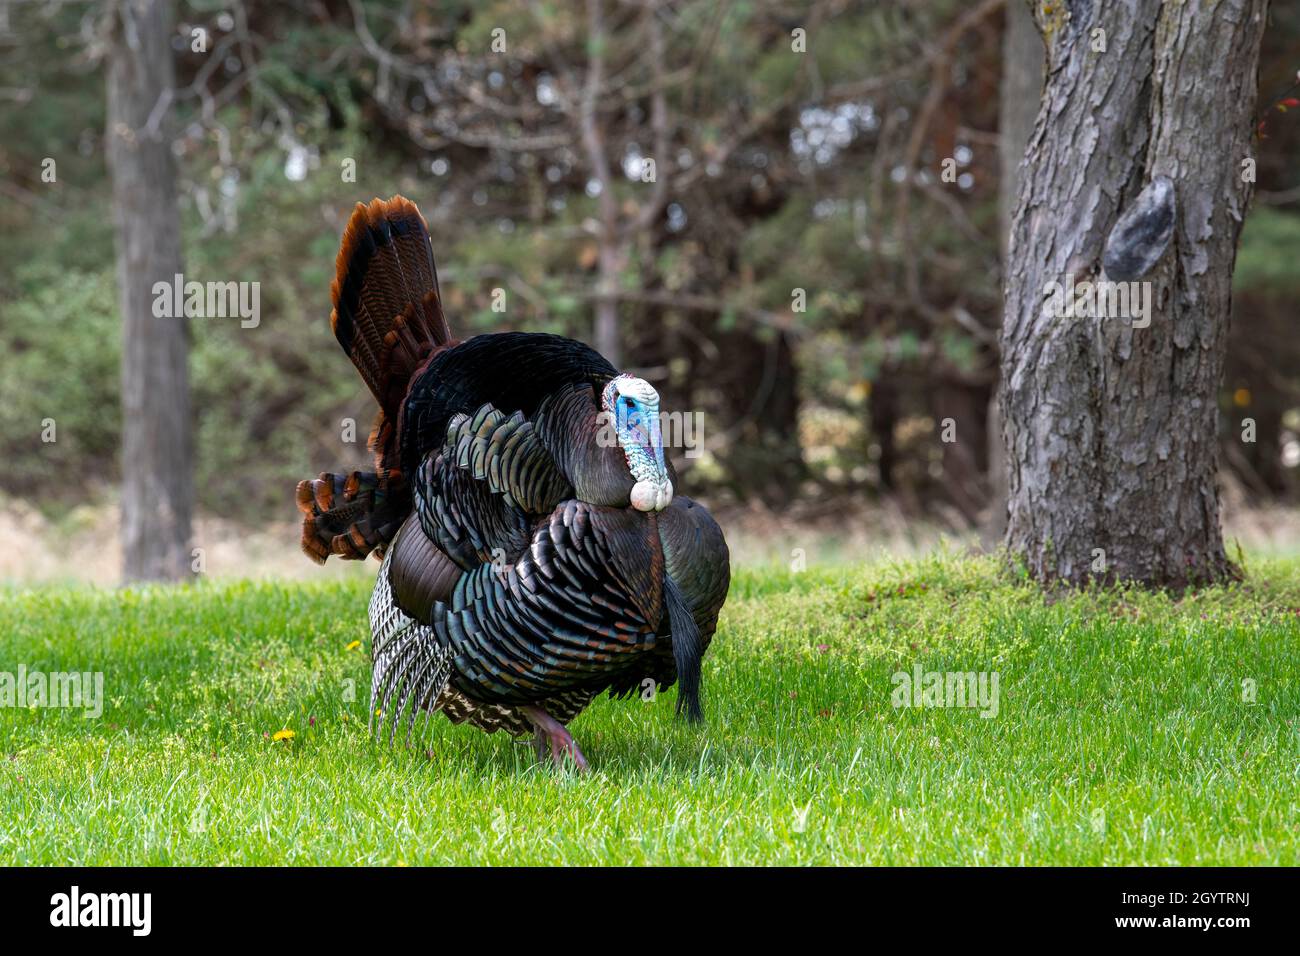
(1121, 734)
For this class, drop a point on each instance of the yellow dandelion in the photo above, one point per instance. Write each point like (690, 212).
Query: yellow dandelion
(353, 646)
(285, 734)
(1241, 397)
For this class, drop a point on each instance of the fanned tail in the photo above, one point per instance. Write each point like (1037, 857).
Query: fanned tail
(388, 318)
(387, 308)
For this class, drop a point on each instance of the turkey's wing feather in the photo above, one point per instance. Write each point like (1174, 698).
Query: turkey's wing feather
(512, 371)
(480, 496)
(508, 454)
(564, 616)
(420, 573)
(462, 516)
(563, 623)
(555, 629)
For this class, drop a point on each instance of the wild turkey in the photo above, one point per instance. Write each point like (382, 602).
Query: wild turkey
(535, 553)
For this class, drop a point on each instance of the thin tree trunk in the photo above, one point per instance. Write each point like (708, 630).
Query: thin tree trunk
(157, 456)
(964, 405)
(605, 329)
(1110, 428)
(883, 409)
(1020, 92)
(608, 336)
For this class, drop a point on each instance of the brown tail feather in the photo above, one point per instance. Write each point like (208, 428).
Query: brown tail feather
(387, 309)
(350, 515)
(388, 318)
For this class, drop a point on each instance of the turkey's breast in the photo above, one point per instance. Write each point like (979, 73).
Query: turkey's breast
(580, 611)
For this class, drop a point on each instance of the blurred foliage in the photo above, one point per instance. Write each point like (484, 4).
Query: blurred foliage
(1268, 261)
(794, 173)
(62, 341)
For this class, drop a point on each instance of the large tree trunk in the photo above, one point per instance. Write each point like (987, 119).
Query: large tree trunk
(157, 487)
(1110, 429)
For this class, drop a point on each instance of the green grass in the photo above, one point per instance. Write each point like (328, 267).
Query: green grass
(1121, 735)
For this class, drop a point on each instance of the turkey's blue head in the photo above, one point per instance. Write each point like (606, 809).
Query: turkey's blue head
(632, 405)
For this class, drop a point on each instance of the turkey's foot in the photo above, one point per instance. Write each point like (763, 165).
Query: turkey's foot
(550, 736)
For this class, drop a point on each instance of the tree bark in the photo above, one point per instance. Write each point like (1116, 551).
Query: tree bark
(1110, 428)
(883, 407)
(157, 454)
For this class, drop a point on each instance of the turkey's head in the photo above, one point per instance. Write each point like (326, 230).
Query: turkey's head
(632, 405)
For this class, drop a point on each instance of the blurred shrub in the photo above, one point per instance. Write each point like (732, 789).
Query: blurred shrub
(62, 344)
(1269, 252)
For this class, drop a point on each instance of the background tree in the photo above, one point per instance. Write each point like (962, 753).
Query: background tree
(866, 171)
(656, 165)
(157, 456)
(1112, 430)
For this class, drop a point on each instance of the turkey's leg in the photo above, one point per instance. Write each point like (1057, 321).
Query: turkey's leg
(551, 734)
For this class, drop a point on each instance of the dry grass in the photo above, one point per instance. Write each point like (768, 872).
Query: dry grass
(82, 546)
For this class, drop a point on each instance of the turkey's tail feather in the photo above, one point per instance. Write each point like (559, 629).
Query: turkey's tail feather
(387, 307)
(388, 318)
(350, 515)
(688, 650)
